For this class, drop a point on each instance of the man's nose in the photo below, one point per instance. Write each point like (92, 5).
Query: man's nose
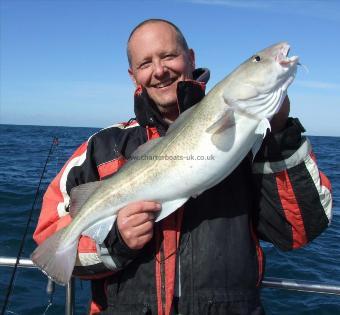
(159, 68)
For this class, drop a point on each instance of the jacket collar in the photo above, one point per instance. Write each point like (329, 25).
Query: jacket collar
(188, 94)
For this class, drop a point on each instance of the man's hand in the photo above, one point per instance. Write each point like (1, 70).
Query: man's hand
(135, 223)
(279, 120)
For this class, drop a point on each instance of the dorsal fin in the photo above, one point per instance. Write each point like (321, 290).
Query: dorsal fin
(80, 194)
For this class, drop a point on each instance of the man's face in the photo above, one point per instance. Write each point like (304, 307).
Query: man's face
(158, 63)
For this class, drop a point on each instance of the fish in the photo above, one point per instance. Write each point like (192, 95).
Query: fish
(228, 123)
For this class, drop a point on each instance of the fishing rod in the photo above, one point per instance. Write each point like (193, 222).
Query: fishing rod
(11, 282)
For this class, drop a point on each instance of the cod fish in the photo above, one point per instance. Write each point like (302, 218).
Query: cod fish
(228, 123)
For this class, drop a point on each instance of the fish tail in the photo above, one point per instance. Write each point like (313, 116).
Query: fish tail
(56, 259)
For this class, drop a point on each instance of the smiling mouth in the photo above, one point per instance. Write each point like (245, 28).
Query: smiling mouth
(164, 84)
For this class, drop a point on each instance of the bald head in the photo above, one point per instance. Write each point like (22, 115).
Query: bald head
(179, 35)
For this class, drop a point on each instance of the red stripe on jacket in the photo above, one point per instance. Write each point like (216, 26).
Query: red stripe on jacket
(170, 227)
(110, 167)
(259, 254)
(291, 209)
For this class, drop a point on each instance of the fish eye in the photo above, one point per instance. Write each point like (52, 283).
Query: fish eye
(256, 58)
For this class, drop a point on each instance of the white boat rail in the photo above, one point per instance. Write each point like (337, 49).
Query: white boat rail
(27, 263)
(278, 283)
(301, 285)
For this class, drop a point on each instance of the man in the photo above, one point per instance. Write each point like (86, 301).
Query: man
(205, 258)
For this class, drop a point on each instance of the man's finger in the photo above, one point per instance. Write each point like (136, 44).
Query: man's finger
(143, 229)
(140, 206)
(140, 218)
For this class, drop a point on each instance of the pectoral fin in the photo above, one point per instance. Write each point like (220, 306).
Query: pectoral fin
(223, 130)
(224, 121)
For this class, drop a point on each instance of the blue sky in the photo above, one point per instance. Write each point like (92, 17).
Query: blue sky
(63, 63)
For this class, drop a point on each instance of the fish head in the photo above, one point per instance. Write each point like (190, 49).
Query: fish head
(272, 68)
(259, 85)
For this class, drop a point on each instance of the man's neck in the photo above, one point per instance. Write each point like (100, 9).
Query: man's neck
(169, 118)
(170, 115)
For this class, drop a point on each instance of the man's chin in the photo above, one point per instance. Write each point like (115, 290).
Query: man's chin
(164, 96)
(167, 107)
(165, 102)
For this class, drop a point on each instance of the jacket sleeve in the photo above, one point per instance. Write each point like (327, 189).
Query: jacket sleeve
(293, 196)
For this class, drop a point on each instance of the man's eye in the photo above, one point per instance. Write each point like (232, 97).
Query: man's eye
(169, 56)
(144, 65)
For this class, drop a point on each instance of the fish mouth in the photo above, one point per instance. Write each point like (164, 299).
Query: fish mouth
(283, 59)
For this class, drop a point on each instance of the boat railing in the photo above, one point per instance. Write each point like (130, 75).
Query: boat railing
(27, 263)
(278, 283)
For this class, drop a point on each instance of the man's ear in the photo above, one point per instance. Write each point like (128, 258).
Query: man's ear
(132, 77)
